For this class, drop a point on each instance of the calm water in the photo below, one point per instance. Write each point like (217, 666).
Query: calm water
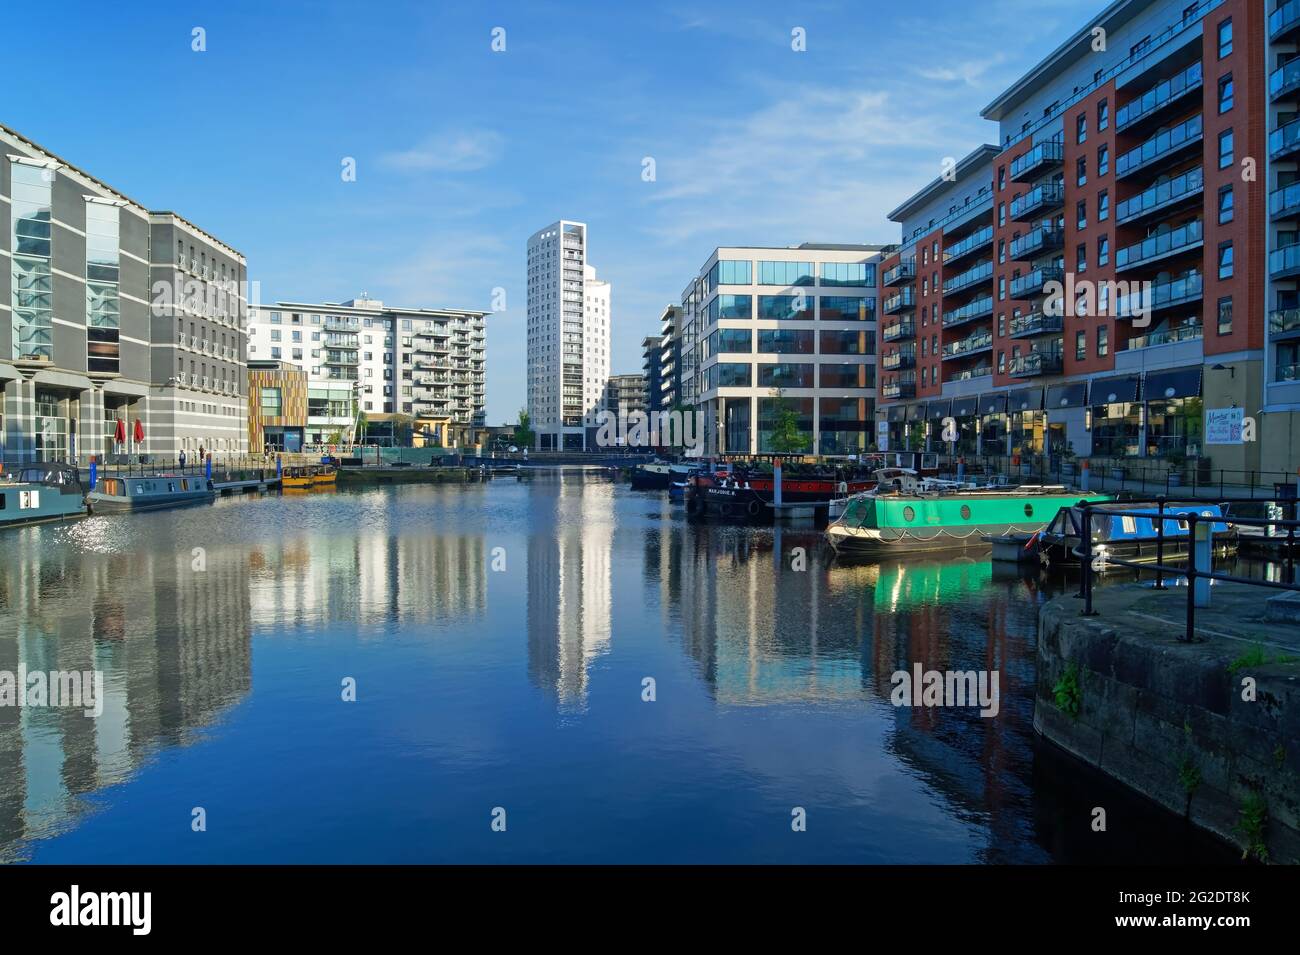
(521, 688)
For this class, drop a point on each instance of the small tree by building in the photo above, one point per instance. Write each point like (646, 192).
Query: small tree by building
(787, 437)
(524, 435)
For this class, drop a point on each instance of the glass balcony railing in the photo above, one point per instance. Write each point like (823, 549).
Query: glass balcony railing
(1285, 80)
(1038, 160)
(1038, 242)
(975, 371)
(974, 241)
(1284, 322)
(904, 386)
(1188, 236)
(1284, 21)
(1284, 140)
(967, 346)
(1032, 284)
(1284, 262)
(1158, 97)
(1160, 147)
(1161, 196)
(903, 300)
(898, 331)
(1157, 295)
(1036, 363)
(899, 360)
(1167, 336)
(1038, 201)
(1036, 323)
(979, 308)
(1286, 373)
(969, 279)
(902, 272)
(1284, 203)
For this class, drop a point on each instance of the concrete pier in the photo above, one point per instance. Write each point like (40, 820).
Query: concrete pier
(1210, 729)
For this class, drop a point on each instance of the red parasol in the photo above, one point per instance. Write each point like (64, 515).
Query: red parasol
(119, 432)
(139, 430)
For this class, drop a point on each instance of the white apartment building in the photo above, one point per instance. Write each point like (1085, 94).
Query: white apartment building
(569, 313)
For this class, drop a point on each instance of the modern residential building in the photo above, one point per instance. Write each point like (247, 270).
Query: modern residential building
(767, 328)
(1105, 272)
(110, 313)
(670, 358)
(624, 394)
(568, 338)
(651, 371)
(277, 406)
(365, 358)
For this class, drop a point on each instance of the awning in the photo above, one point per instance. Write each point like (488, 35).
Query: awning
(1109, 391)
(896, 412)
(938, 409)
(965, 407)
(916, 412)
(1174, 383)
(1026, 399)
(994, 403)
(1072, 395)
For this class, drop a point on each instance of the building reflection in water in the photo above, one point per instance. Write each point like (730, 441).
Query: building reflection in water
(570, 543)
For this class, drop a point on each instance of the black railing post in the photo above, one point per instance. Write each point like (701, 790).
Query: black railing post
(1191, 578)
(1087, 560)
(1290, 545)
(1160, 547)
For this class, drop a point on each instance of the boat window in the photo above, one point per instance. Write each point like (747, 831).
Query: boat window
(965, 512)
(1129, 524)
(1029, 510)
(909, 514)
(139, 489)
(171, 486)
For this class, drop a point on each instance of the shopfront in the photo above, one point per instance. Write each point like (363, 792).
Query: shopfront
(965, 416)
(935, 412)
(1028, 422)
(993, 423)
(1175, 419)
(1116, 417)
(1065, 411)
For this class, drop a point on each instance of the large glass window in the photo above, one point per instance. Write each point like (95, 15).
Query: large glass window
(855, 375)
(785, 341)
(731, 306)
(730, 272)
(270, 402)
(103, 318)
(786, 306)
(857, 274)
(1115, 429)
(769, 415)
(731, 340)
(841, 308)
(845, 425)
(785, 273)
(33, 295)
(1173, 423)
(785, 375)
(728, 375)
(848, 343)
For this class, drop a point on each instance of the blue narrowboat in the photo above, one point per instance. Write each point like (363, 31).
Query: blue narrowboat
(37, 493)
(117, 495)
(1131, 536)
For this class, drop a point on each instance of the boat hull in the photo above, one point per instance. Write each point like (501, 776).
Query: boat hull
(116, 495)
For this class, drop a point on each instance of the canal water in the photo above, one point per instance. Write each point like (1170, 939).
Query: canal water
(499, 638)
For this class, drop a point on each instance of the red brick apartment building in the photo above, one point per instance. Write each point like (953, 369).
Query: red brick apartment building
(1118, 277)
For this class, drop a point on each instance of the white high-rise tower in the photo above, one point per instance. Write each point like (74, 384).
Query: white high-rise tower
(568, 338)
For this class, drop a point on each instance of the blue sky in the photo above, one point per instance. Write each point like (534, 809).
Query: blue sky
(462, 152)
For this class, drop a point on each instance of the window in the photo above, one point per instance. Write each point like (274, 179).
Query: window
(1225, 38)
(1002, 178)
(1002, 362)
(270, 399)
(1225, 93)
(1225, 205)
(1103, 251)
(1081, 258)
(1225, 260)
(1002, 213)
(859, 274)
(1103, 160)
(1225, 315)
(1081, 128)
(1002, 288)
(785, 273)
(1081, 214)
(1225, 149)
(1103, 341)
(1103, 115)
(1002, 251)
(1080, 346)
(1103, 206)
(1081, 171)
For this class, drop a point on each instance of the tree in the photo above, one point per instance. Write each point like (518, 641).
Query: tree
(403, 429)
(523, 432)
(787, 438)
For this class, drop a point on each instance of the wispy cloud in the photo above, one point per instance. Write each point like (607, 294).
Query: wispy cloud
(448, 151)
(970, 72)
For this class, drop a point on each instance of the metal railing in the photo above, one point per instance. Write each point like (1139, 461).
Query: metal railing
(1191, 572)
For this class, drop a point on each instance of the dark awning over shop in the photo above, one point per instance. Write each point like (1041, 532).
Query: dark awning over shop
(1174, 383)
(1067, 396)
(1026, 399)
(916, 412)
(897, 412)
(938, 409)
(965, 407)
(1109, 391)
(993, 404)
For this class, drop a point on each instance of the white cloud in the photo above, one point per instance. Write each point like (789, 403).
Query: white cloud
(458, 151)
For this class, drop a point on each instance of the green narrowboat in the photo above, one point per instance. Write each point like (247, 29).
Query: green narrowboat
(880, 524)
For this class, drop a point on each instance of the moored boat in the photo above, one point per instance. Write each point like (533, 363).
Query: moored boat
(1132, 536)
(323, 476)
(298, 477)
(737, 492)
(651, 477)
(939, 520)
(153, 493)
(37, 493)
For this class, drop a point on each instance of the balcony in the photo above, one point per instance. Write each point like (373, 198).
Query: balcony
(1188, 332)
(971, 345)
(1284, 22)
(1284, 140)
(1286, 373)
(971, 278)
(1284, 323)
(1284, 81)
(1036, 363)
(898, 331)
(903, 387)
(900, 274)
(1158, 295)
(971, 311)
(1161, 147)
(905, 358)
(1284, 263)
(1154, 101)
(1031, 165)
(1038, 201)
(903, 301)
(1162, 196)
(1036, 243)
(975, 371)
(1036, 323)
(1284, 203)
(980, 239)
(1164, 245)
(1027, 286)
